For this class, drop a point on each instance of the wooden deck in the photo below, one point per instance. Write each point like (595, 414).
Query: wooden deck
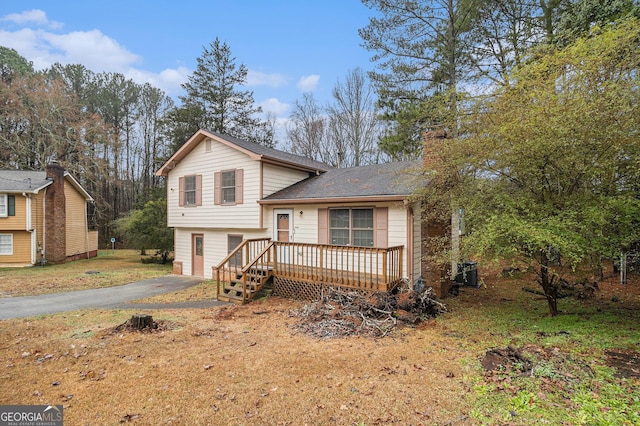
(302, 270)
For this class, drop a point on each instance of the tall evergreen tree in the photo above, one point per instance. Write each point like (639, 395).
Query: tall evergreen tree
(215, 101)
(12, 65)
(421, 51)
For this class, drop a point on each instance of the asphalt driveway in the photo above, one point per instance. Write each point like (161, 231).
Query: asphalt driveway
(111, 297)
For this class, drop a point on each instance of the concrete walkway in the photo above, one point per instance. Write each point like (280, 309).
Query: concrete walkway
(111, 297)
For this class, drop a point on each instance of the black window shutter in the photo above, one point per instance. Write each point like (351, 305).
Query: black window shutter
(11, 205)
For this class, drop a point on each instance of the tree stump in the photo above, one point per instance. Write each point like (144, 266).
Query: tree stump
(140, 322)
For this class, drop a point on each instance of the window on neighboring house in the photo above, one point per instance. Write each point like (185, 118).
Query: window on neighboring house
(228, 187)
(190, 190)
(7, 205)
(6, 244)
(353, 226)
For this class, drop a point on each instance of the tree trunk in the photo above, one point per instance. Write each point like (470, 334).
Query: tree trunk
(140, 322)
(549, 288)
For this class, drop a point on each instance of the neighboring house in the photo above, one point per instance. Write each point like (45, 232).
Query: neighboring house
(239, 210)
(43, 215)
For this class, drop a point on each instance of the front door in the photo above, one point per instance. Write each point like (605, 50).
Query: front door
(283, 232)
(197, 255)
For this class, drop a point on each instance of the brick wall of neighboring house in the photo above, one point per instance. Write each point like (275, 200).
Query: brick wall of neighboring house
(55, 220)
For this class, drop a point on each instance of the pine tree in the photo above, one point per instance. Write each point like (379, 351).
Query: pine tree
(215, 101)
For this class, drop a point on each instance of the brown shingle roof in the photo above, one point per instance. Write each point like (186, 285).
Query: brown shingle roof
(391, 180)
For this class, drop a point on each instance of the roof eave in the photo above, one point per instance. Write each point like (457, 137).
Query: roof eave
(334, 200)
(78, 187)
(290, 165)
(25, 191)
(201, 134)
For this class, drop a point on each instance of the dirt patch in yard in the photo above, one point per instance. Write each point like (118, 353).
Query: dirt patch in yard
(626, 363)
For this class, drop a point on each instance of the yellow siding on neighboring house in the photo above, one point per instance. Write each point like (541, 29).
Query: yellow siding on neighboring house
(37, 220)
(23, 252)
(76, 232)
(17, 222)
(21, 248)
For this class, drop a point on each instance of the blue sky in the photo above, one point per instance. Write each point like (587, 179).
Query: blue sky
(289, 47)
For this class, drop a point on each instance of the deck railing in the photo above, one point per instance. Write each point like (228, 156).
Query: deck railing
(366, 268)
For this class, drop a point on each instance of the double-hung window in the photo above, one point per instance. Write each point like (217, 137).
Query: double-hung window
(4, 205)
(190, 190)
(7, 205)
(229, 187)
(351, 226)
(6, 244)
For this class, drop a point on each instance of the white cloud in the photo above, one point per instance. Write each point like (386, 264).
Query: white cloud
(258, 78)
(169, 80)
(94, 50)
(35, 16)
(274, 106)
(308, 83)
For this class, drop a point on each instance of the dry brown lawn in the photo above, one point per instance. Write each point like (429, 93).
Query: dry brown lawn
(107, 270)
(245, 365)
(231, 365)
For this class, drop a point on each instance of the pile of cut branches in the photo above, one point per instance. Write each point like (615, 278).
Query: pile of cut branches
(341, 313)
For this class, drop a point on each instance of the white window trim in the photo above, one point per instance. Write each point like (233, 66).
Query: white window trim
(4, 201)
(11, 249)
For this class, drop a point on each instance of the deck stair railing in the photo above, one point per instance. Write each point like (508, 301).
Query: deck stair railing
(240, 276)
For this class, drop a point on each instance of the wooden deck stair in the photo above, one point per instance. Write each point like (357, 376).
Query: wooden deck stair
(256, 278)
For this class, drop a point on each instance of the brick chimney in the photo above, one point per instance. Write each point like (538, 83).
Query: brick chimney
(432, 146)
(55, 216)
(435, 231)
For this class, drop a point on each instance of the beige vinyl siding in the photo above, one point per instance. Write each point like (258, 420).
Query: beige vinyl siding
(209, 215)
(76, 219)
(276, 178)
(214, 244)
(305, 225)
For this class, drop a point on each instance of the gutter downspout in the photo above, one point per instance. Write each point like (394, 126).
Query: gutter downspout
(44, 223)
(29, 226)
(86, 230)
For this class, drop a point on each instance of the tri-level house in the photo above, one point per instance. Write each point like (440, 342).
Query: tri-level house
(44, 217)
(243, 213)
